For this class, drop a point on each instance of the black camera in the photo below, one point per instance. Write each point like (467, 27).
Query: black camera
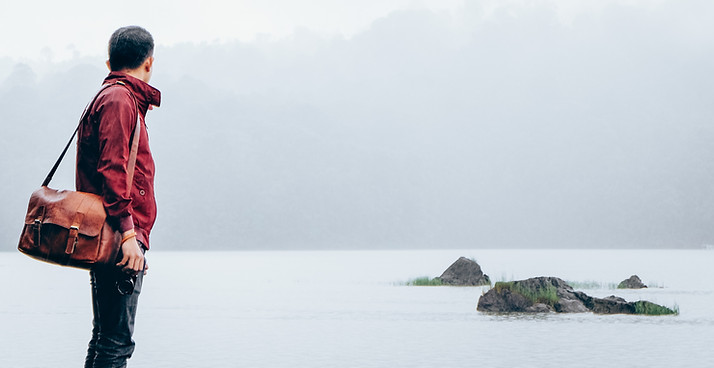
(125, 285)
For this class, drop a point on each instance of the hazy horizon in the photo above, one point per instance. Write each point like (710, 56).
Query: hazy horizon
(472, 126)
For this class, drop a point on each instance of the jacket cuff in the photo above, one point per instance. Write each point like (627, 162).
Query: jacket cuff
(126, 223)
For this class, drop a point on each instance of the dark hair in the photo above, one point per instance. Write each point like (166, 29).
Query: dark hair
(129, 47)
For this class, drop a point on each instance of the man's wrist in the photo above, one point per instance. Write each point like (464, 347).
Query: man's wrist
(128, 235)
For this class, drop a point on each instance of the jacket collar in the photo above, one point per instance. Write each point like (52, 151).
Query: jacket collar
(145, 94)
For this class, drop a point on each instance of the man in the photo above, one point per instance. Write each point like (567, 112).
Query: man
(103, 148)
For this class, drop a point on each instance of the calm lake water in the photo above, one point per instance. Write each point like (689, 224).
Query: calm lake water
(350, 309)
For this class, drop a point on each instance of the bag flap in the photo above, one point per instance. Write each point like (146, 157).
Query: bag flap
(65, 207)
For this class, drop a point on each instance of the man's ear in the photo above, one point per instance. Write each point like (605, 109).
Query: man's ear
(109, 66)
(149, 63)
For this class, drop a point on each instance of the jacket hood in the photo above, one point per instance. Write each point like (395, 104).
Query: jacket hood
(146, 95)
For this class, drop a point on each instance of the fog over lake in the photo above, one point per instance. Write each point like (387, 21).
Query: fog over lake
(321, 309)
(485, 127)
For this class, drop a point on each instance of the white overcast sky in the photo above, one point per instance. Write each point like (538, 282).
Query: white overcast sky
(59, 30)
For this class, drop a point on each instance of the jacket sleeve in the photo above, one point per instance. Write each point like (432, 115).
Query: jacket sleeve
(116, 119)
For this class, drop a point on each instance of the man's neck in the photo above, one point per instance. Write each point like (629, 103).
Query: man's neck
(138, 74)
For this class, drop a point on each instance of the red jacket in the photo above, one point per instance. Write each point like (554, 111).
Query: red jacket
(103, 146)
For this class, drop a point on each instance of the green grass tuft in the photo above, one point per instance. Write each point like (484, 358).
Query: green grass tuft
(547, 295)
(651, 309)
(425, 281)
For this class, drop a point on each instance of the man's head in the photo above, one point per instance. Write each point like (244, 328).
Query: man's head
(131, 49)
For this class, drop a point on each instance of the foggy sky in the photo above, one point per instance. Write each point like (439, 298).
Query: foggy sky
(427, 130)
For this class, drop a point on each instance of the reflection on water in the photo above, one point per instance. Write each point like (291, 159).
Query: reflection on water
(347, 309)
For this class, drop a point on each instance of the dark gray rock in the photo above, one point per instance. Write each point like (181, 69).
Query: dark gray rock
(633, 282)
(464, 272)
(539, 308)
(504, 300)
(521, 296)
(570, 306)
(612, 305)
(551, 294)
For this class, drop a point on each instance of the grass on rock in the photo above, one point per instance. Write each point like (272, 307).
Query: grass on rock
(425, 281)
(651, 309)
(547, 295)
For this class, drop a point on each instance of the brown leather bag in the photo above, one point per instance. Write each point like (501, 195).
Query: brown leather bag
(69, 228)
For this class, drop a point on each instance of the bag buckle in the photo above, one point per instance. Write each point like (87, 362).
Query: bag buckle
(72, 239)
(38, 226)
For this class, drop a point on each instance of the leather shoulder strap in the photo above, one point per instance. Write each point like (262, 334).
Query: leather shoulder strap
(134, 142)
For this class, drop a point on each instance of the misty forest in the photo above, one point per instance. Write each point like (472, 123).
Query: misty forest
(425, 130)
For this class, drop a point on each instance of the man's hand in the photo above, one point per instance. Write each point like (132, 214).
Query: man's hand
(132, 261)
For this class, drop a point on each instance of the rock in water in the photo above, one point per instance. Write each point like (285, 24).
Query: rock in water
(633, 282)
(612, 305)
(538, 294)
(551, 294)
(464, 272)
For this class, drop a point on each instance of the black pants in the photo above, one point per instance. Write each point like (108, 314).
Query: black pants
(113, 324)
